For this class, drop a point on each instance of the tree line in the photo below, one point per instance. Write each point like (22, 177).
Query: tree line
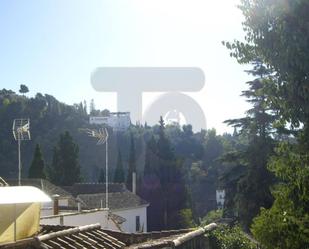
(172, 163)
(267, 183)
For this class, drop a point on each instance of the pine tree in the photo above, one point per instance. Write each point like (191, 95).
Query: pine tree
(36, 169)
(65, 169)
(132, 163)
(150, 159)
(253, 188)
(171, 188)
(23, 89)
(119, 172)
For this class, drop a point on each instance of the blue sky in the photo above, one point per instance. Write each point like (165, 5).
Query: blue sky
(52, 46)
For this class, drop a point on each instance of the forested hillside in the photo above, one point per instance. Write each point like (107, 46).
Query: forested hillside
(192, 157)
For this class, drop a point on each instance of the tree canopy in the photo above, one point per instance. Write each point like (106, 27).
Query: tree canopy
(37, 168)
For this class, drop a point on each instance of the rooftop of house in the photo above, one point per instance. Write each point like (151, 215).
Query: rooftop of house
(116, 201)
(90, 195)
(43, 184)
(94, 188)
(92, 236)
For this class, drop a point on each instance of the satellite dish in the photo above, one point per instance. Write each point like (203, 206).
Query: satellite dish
(21, 131)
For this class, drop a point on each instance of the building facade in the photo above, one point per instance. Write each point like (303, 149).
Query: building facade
(119, 121)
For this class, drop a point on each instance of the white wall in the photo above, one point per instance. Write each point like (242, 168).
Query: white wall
(79, 219)
(220, 197)
(121, 122)
(130, 216)
(99, 216)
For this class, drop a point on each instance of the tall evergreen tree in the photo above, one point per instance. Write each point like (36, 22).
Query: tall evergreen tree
(65, 168)
(119, 172)
(277, 32)
(150, 159)
(36, 169)
(151, 189)
(173, 190)
(253, 188)
(132, 163)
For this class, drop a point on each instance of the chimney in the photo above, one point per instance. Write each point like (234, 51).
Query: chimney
(134, 183)
(56, 204)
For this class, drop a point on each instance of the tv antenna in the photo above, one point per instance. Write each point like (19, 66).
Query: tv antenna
(102, 136)
(21, 132)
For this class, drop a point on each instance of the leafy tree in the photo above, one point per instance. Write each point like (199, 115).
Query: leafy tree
(253, 188)
(285, 224)
(65, 166)
(132, 163)
(23, 89)
(276, 32)
(36, 169)
(230, 237)
(119, 172)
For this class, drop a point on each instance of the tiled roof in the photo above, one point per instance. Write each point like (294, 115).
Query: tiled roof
(94, 188)
(117, 201)
(91, 236)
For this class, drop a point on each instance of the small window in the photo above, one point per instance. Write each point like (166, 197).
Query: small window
(137, 224)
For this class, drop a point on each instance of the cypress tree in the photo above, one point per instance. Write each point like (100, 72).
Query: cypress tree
(119, 173)
(132, 163)
(36, 169)
(65, 168)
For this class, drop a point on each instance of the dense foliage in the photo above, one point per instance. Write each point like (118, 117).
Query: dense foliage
(37, 167)
(225, 237)
(181, 162)
(277, 35)
(65, 168)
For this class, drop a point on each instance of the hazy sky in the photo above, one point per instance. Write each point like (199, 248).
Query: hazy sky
(53, 46)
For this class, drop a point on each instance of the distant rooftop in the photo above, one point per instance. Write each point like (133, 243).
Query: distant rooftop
(94, 188)
(118, 200)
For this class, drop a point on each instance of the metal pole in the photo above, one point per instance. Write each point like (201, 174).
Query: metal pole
(106, 169)
(15, 223)
(19, 161)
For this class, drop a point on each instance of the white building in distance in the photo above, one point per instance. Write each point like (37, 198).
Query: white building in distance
(220, 198)
(119, 121)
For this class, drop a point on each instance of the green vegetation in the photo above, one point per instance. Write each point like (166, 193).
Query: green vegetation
(212, 217)
(277, 36)
(37, 168)
(164, 181)
(132, 163)
(167, 157)
(225, 237)
(119, 172)
(23, 89)
(65, 168)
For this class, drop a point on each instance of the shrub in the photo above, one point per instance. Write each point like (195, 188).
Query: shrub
(225, 237)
